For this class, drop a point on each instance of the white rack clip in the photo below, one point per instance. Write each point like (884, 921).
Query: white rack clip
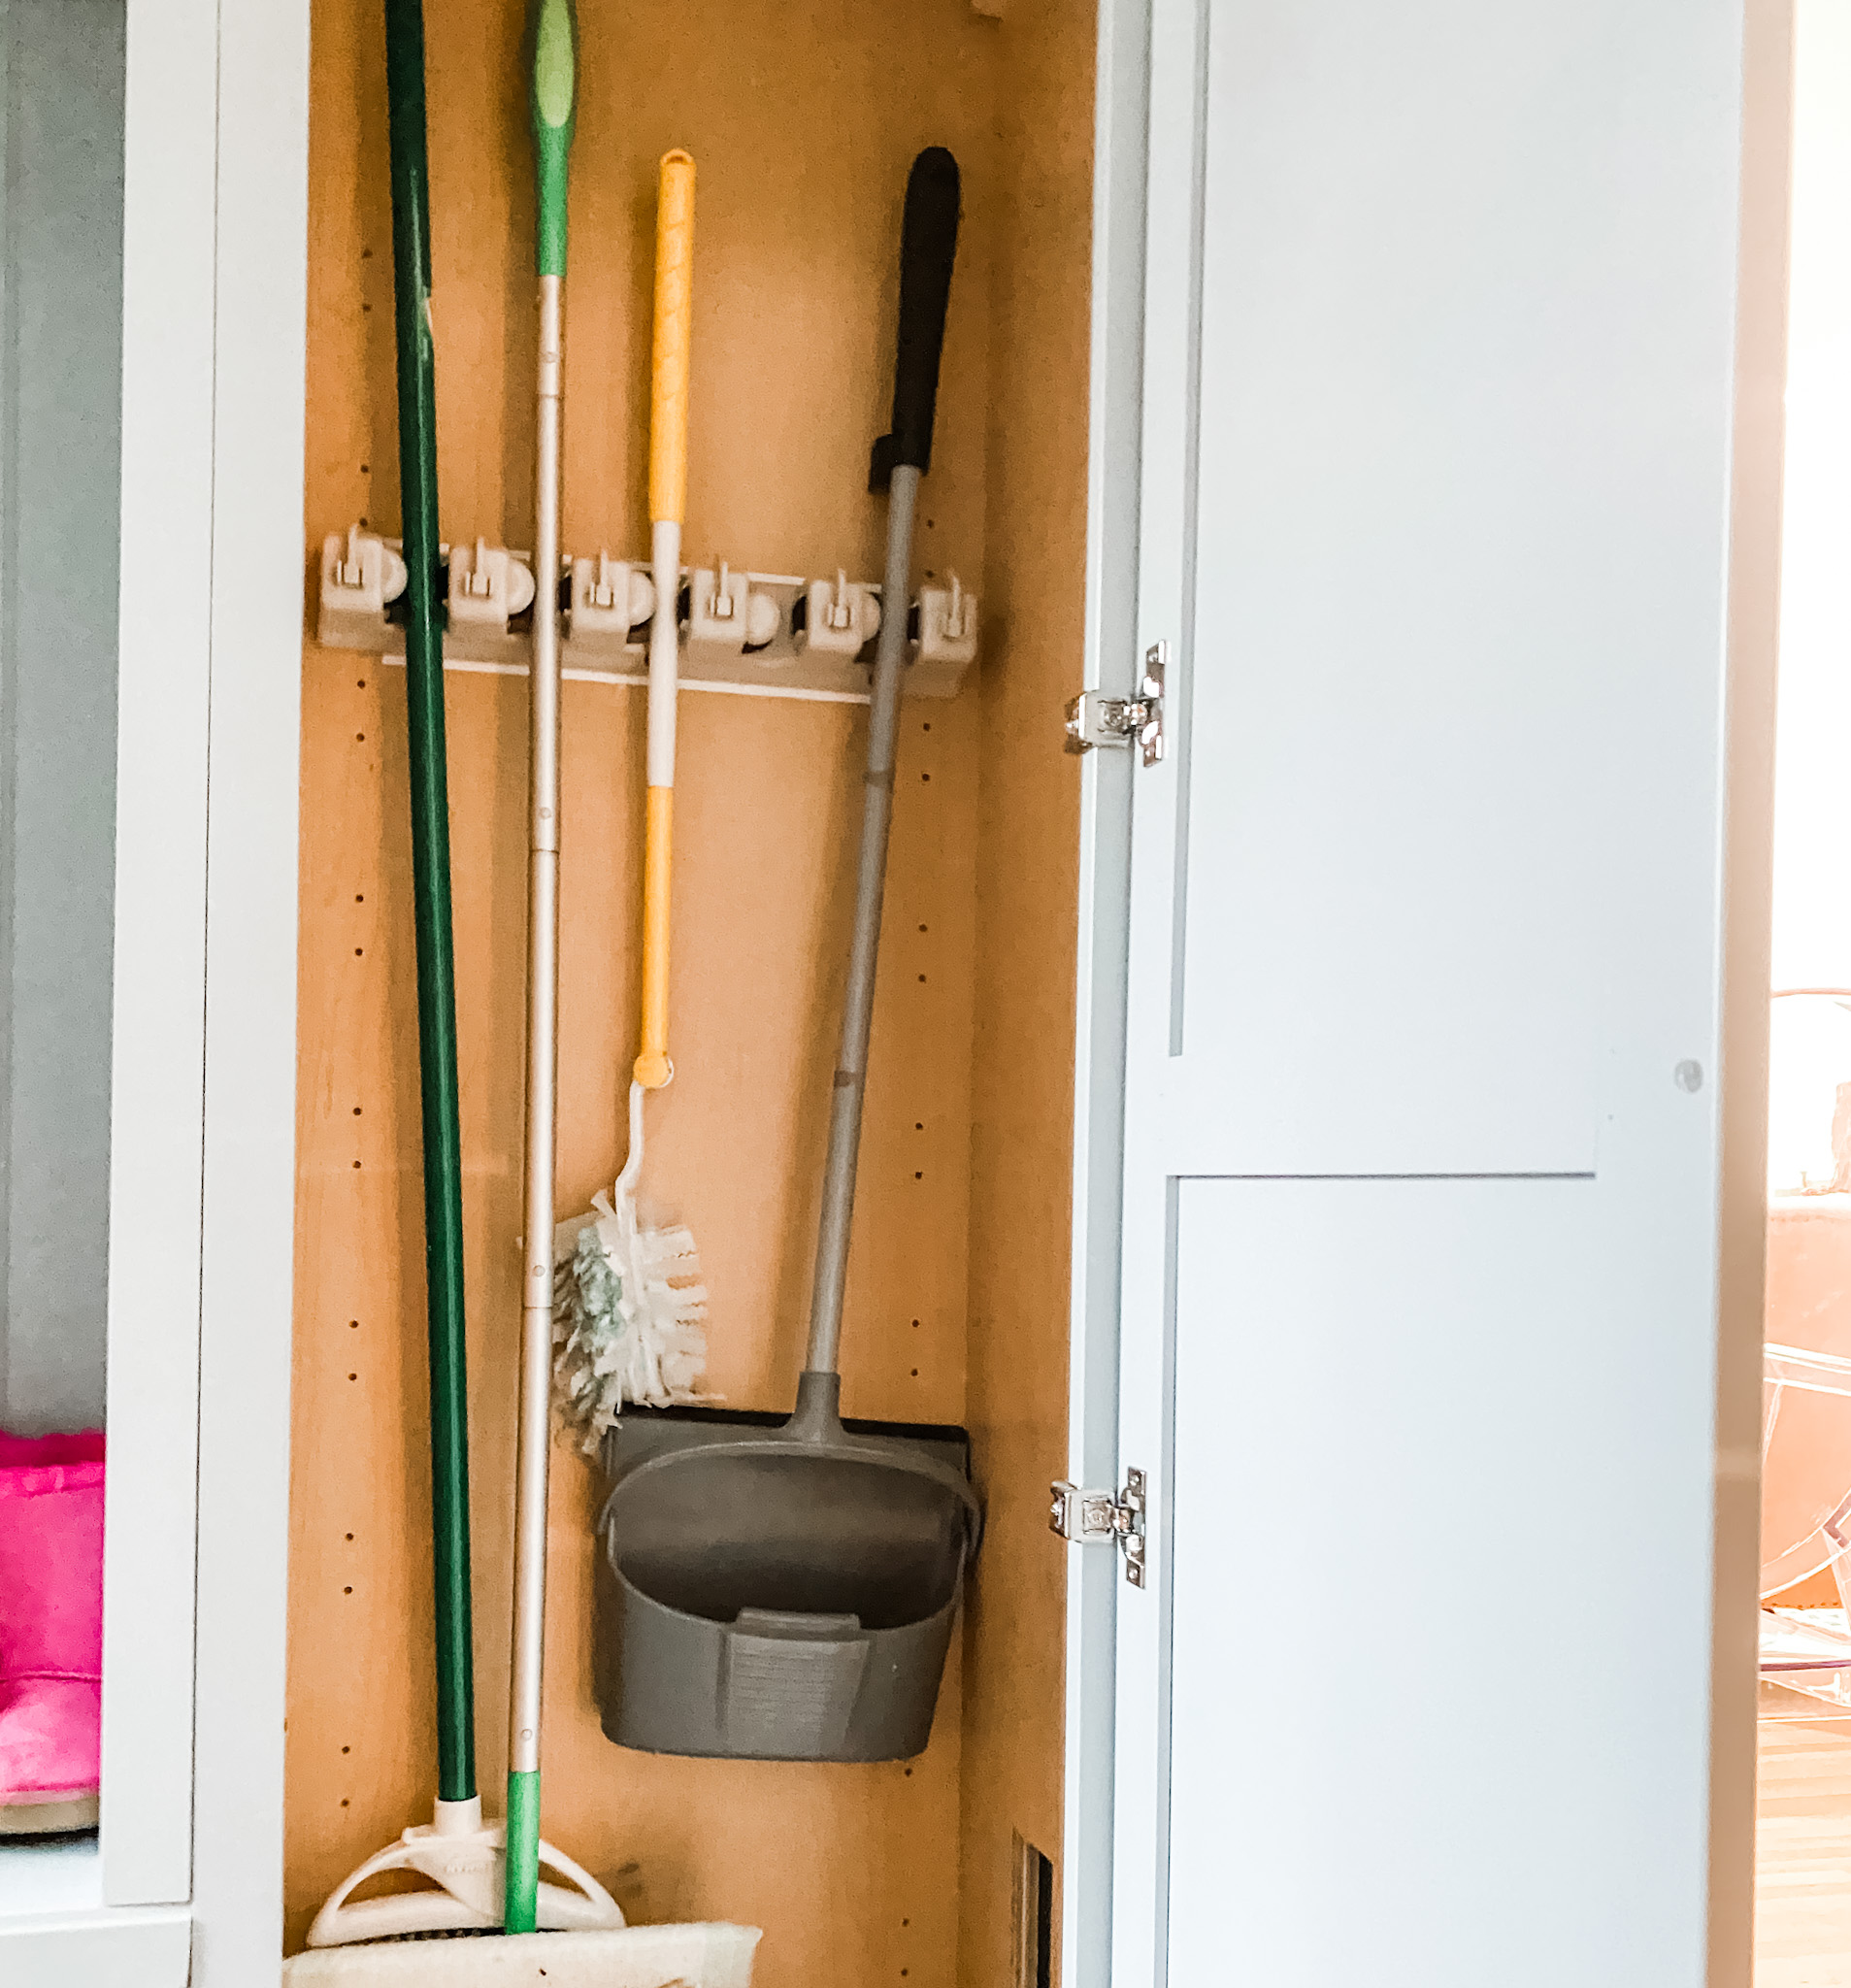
(613, 602)
(360, 572)
(488, 584)
(733, 616)
(839, 619)
(947, 625)
(716, 614)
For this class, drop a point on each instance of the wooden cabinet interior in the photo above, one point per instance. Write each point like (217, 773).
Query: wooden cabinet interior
(803, 119)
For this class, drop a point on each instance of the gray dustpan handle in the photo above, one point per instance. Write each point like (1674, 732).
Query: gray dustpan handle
(928, 242)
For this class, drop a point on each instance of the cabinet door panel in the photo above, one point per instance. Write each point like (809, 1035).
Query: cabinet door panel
(1418, 1512)
(1442, 467)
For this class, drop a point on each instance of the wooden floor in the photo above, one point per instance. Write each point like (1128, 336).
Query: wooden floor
(1802, 1929)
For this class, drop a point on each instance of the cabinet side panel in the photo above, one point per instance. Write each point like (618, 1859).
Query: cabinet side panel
(1028, 885)
(1768, 83)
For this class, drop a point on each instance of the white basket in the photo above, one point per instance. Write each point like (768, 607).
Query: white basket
(700, 1956)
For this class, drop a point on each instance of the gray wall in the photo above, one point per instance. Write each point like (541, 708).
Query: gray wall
(60, 425)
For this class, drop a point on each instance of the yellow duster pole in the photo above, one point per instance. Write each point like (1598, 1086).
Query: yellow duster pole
(668, 502)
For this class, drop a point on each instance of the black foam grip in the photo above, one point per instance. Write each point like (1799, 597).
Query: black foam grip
(927, 245)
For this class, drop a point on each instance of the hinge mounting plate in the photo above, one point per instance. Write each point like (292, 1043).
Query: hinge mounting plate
(1095, 719)
(1090, 1517)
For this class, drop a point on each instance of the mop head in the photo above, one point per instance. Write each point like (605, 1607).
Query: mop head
(628, 1306)
(710, 1956)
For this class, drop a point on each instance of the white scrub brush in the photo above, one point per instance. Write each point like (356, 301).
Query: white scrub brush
(628, 1306)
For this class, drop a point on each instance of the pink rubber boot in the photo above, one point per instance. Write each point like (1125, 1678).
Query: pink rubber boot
(51, 1632)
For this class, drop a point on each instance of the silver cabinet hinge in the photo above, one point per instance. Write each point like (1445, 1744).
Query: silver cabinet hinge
(1099, 1518)
(1095, 719)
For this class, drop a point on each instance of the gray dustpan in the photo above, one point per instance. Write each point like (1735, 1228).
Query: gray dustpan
(784, 1589)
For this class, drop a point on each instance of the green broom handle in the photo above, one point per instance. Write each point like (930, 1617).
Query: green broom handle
(431, 901)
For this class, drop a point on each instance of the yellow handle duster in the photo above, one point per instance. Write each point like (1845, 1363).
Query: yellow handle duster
(631, 1319)
(667, 500)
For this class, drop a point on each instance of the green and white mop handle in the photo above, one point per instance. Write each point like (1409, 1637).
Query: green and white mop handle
(928, 247)
(553, 48)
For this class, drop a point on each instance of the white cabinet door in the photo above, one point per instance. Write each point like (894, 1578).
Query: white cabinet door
(1419, 1310)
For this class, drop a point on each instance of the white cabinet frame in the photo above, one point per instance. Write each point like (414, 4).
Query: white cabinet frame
(248, 1237)
(156, 1118)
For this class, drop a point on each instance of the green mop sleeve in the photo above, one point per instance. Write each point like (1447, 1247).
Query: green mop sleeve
(554, 103)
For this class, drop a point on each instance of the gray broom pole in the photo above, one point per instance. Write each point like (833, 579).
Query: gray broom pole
(928, 246)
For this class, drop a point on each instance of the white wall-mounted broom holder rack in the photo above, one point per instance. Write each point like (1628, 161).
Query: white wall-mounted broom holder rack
(773, 634)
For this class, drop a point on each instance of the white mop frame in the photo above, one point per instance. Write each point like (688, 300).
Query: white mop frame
(465, 1861)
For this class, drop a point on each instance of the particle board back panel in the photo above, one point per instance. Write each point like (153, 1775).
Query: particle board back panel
(803, 119)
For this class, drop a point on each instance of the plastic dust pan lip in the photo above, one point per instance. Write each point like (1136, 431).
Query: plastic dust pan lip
(813, 1430)
(711, 1954)
(723, 1444)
